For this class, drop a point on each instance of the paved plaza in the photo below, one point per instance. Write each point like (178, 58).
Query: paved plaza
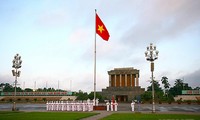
(121, 107)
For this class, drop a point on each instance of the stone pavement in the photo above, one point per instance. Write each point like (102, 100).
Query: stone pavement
(98, 116)
(146, 108)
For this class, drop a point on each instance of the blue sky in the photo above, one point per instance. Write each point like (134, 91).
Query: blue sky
(56, 40)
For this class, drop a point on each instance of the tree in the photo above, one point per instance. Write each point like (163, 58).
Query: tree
(28, 90)
(39, 90)
(146, 96)
(178, 87)
(7, 87)
(81, 95)
(157, 89)
(186, 86)
(51, 90)
(197, 88)
(178, 83)
(166, 84)
(18, 89)
(91, 96)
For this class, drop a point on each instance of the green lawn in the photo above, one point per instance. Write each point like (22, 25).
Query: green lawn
(43, 115)
(138, 116)
(4, 115)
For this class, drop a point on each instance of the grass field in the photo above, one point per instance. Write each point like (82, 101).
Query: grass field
(43, 115)
(4, 115)
(137, 116)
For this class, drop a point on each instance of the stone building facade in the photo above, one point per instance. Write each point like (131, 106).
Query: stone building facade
(123, 84)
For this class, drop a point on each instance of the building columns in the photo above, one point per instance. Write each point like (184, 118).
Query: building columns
(120, 80)
(115, 80)
(137, 81)
(109, 80)
(131, 80)
(126, 80)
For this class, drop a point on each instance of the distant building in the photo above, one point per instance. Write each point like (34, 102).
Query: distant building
(188, 95)
(123, 85)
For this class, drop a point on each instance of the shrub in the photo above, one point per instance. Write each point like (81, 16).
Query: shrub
(179, 101)
(27, 99)
(188, 102)
(198, 102)
(44, 99)
(19, 99)
(35, 99)
(169, 101)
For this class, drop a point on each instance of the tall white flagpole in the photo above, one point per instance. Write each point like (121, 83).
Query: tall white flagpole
(95, 61)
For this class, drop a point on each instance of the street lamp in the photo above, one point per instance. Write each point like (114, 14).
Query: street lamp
(16, 64)
(152, 54)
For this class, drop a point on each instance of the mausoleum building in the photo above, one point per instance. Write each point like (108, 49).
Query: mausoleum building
(123, 84)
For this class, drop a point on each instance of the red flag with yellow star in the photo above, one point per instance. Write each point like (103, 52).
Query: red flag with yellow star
(101, 29)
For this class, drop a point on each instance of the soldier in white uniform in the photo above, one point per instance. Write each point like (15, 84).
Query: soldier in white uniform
(90, 106)
(75, 106)
(47, 106)
(62, 106)
(97, 102)
(115, 104)
(133, 106)
(111, 106)
(52, 105)
(80, 106)
(84, 106)
(57, 106)
(68, 107)
(107, 105)
(72, 106)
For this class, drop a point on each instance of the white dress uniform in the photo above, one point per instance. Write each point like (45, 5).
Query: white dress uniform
(111, 107)
(67, 106)
(75, 106)
(133, 105)
(62, 106)
(78, 106)
(72, 104)
(97, 102)
(59, 105)
(115, 104)
(47, 106)
(52, 106)
(90, 106)
(84, 106)
(107, 106)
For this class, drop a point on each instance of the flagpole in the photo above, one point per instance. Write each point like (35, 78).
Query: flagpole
(95, 61)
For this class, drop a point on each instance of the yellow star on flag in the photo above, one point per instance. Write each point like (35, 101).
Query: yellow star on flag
(100, 28)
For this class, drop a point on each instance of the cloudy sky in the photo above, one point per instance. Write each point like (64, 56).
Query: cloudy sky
(55, 39)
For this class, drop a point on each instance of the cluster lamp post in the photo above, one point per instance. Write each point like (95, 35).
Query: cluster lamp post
(16, 65)
(152, 54)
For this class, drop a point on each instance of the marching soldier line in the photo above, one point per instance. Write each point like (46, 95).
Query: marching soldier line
(69, 106)
(81, 105)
